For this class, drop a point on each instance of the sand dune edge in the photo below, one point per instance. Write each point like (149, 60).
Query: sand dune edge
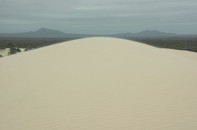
(98, 83)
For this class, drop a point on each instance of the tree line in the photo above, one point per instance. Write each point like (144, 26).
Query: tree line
(189, 44)
(29, 43)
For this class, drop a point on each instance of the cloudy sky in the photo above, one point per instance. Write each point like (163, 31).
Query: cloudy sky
(99, 16)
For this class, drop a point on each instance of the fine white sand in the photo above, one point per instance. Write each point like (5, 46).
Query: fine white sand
(99, 84)
(4, 52)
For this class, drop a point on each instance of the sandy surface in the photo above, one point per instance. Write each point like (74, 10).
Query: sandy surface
(98, 84)
(4, 52)
(187, 54)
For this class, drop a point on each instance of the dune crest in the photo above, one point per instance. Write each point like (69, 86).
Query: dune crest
(98, 84)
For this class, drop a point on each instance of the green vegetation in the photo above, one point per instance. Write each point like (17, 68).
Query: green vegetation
(13, 49)
(29, 43)
(28, 48)
(1, 56)
(180, 43)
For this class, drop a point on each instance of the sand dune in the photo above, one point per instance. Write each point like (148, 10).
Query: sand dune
(99, 84)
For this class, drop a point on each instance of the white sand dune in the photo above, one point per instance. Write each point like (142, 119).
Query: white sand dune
(4, 52)
(99, 84)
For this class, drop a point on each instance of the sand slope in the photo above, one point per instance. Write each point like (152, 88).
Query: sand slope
(98, 84)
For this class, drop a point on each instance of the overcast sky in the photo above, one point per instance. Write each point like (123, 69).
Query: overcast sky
(99, 16)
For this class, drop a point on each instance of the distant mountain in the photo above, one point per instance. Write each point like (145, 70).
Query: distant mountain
(155, 33)
(128, 34)
(145, 34)
(49, 33)
(43, 33)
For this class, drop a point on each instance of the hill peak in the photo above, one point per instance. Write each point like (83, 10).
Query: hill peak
(46, 30)
(151, 31)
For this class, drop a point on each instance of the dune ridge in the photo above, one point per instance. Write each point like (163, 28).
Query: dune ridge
(98, 83)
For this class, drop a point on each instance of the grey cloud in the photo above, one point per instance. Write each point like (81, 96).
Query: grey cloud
(99, 16)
